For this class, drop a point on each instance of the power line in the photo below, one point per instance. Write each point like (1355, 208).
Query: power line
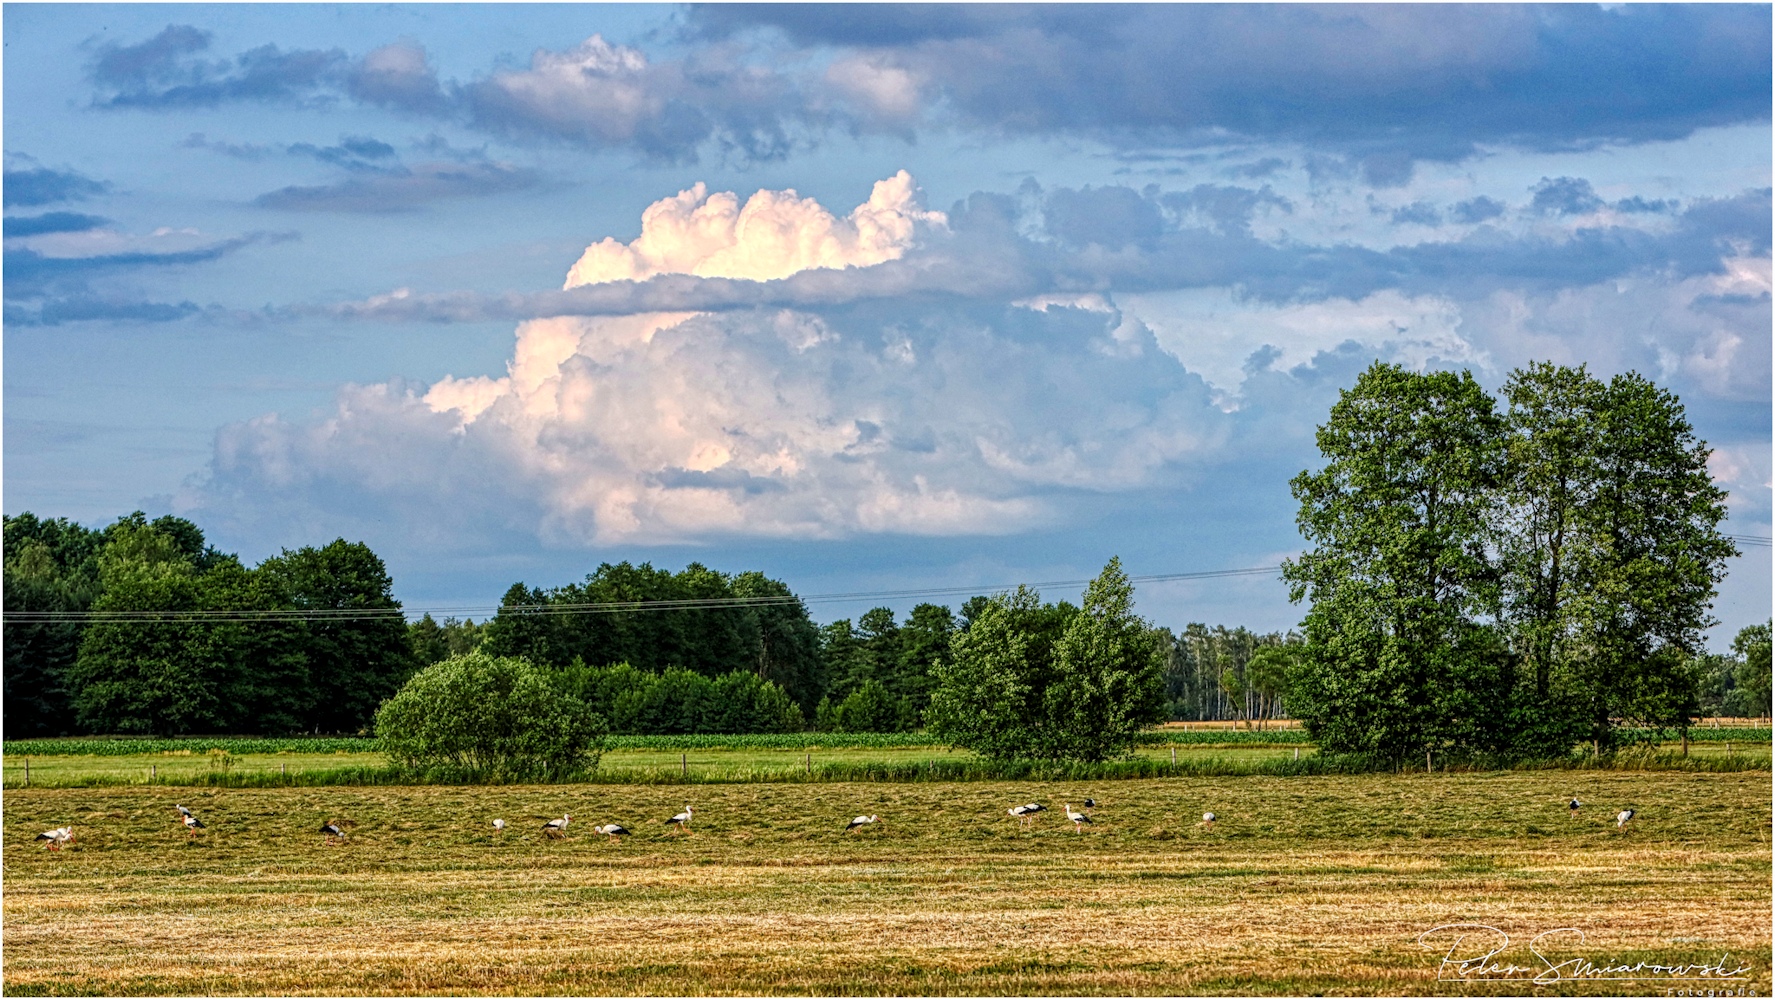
(1758, 540)
(607, 607)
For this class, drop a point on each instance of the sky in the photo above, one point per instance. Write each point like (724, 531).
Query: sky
(870, 298)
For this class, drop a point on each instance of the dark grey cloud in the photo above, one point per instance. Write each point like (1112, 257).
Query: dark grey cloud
(1637, 205)
(1110, 217)
(1477, 210)
(1226, 209)
(51, 222)
(1564, 196)
(45, 290)
(598, 95)
(1420, 213)
(351, 152)
(1383, 84)
(399, 76)
(75, 309)
(34, 186)
(401, 188)
(167, 71)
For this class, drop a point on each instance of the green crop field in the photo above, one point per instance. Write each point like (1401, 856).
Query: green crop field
(1313, 884)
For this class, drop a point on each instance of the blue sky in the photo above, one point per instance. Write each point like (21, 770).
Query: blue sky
(869, 297)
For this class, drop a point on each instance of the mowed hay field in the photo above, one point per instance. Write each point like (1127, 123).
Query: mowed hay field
(1305, 885)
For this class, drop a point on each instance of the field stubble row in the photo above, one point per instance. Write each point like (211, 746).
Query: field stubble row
(1308, 884)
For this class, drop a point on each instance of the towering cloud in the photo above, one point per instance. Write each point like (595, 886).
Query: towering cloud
(973, 418)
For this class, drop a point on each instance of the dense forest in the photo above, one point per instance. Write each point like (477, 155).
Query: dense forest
(142, 627)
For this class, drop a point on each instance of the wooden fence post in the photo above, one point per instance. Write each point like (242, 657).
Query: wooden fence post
(154, 772)
(684, 764)
(28, 771)
(1427, 767)
(1173, 756)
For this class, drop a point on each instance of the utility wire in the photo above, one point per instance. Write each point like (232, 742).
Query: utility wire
(608, 607)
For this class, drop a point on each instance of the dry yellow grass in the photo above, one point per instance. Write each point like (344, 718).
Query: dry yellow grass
(1305, 885)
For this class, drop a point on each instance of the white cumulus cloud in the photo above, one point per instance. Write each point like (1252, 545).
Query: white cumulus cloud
(659, 427)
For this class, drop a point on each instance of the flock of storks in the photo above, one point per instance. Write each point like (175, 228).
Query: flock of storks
(555, 829)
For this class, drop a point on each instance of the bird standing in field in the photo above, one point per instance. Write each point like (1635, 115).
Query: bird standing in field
(57, 837)
(1020, 814)
(1575, 806)
(555, 829)
(499, 826)
(1079, 819)
(1090, 804)
(332, 831)
(860, 822)
(193, 824)
(1622, 817)
(682, 820)
(612, 830)
(1208, 820)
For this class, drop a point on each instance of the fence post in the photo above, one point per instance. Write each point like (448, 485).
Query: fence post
(1297, 753)
(1427, 767)
(810, 764)
(28, 769)
(684, 764)
(1173, 756)
(154, 772)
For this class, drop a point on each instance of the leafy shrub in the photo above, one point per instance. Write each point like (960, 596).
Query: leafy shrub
(494, 716)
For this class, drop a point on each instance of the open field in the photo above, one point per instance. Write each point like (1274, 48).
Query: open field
(65, 770)
(1306, 885)
(698, 763)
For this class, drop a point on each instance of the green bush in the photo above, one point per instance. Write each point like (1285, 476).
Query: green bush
(500, 717)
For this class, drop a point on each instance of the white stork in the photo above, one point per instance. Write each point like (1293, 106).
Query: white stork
(1090, 804)
(331, 830)
(182, 810)
(1622, 817)
(555, 829)
(612, 830)
(1574, 807)
(1079, 819)
(860, 822)
(1208, 820)
(1021, 814)
(682, 820)
(193, 824)
(57, 837)
(499, 826)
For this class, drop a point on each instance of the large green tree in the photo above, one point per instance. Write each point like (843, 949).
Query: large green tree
(1750, 690)
(1397, 658)
(142, 673)
(1052, 682)
(1608, 541)
(354, 639)
(52, 571)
